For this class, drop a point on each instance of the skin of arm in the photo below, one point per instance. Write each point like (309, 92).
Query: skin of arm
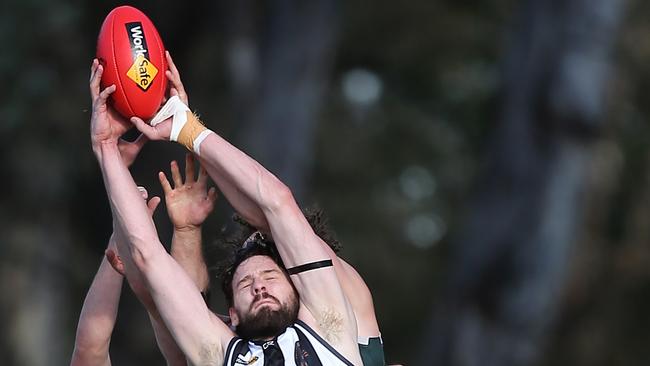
(99, 311)
(326, 307)
(98, 316)
(354, 286)
(169, 349)
(198, 332)
(188, 204)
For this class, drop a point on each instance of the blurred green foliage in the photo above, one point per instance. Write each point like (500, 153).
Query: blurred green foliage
(393, 174)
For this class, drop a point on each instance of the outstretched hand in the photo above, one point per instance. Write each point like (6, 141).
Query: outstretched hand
(188, 203)
(106, 125)
(162, 131)
(174, 77)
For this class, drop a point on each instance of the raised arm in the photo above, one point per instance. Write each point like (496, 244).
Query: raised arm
(319, 289)
(98, 316)
(99, 311)
(198, 332)
(188, 204)
(168, 347)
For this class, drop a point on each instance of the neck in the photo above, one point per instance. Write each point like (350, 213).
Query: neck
(263, 339)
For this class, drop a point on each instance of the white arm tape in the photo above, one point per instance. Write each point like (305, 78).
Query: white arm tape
(199, 139)
(173, 108)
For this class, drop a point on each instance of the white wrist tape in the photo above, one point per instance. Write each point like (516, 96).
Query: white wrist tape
(199, 139)
(176, 109)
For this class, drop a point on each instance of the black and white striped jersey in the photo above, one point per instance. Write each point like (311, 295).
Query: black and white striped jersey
(299, 345)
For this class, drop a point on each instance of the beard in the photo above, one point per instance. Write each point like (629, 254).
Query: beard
(266, 322)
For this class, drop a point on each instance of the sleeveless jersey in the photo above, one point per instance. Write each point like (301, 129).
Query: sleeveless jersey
(372, 351)
(298, 345)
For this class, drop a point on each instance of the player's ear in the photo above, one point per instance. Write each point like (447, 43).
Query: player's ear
(234, 319)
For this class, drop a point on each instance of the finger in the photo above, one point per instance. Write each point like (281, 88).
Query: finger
(167, 188)
(93, 68)
(172, 65)
(95, 78)
(177, 87)
(212, 195)
(176, 78)
(203, 175)
(143, 192)
(189, 168)
(103, 96)
(176, 175)
(115, 261)
(152, 204)
(144, 128)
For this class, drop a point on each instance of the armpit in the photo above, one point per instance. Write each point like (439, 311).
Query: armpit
(210, 354)
(330, 322)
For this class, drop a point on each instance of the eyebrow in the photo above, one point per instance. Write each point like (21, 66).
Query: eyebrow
(267, 271)
(249, 277)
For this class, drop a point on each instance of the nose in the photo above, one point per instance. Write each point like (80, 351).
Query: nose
(258, 286)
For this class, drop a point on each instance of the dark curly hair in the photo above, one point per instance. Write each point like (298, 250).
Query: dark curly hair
(248, 242)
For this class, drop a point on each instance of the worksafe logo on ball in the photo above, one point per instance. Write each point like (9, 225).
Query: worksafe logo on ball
(142, 72)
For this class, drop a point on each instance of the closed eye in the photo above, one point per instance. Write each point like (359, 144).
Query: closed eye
(271, 274)
(244, 282)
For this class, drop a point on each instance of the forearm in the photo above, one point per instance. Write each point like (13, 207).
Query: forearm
(248, 209)
(237, 172)
(168, 347)
(135, 235)
(186, 250)
(97, 318)
(242, 179)
(166, 343)
(129, 209)
(171, 298)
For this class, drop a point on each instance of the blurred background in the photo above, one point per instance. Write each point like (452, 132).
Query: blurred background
(484, 163)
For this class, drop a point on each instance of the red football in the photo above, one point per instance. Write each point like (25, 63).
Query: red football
(133, 56)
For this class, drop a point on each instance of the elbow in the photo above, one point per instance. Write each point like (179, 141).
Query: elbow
(144, 252)
(279, 197)
(143, 260)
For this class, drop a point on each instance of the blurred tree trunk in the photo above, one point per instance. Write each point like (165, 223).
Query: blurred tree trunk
(279, 66)
(35, 252)
(509, 265)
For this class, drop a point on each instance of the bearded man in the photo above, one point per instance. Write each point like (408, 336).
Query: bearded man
(298, 317)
